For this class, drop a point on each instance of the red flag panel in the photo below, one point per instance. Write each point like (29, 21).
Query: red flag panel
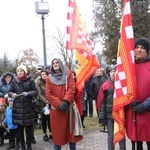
(125, 83)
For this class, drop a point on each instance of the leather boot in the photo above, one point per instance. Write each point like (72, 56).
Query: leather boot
(11, 146)
(2, 141)
(29, 148)
(17, 147)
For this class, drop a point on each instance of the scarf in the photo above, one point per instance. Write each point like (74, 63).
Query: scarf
(22, 78)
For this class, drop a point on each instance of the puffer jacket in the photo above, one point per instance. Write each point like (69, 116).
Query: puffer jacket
(4, 87)
(107, 102)
(23, 113)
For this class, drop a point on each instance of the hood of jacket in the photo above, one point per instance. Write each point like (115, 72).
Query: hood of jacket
(2, 81)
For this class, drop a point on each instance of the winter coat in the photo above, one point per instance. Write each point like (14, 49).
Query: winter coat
(4, 87)
(23, 113)
(40, 84)
(105, 100)
(8, 119)
(60, 119)
(84, 98)
(140, 131)
(95, 86)
(87, 86)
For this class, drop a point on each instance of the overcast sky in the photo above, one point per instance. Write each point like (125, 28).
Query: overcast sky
(21, 28)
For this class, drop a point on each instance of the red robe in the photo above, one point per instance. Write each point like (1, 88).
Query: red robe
(78, 100)
(141, 130)
(60, 119)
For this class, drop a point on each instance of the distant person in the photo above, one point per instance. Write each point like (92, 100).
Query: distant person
(38, 73)
(5, 82)
(48, 69)
(2, 117)
(96, 83)
(89, 100)
(22, 90)
(40, 84)
(113, 63)
(60, 90)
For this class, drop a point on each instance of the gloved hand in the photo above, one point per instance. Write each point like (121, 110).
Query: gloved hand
(139, 109)
(24, 94)
(6, 96)
(64, 106)
(103, 122)
(3, 125)
(14, 95)
(146, 103)
(134, 103)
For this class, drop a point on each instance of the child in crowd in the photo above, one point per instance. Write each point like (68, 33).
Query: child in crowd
(13, 137)
(2, 116)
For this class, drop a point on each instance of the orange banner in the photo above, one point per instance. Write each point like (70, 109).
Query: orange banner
(78, 40)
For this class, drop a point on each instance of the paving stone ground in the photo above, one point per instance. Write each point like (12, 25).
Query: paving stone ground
(93, 140)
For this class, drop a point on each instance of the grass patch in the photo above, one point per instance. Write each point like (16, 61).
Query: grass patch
(91, 123)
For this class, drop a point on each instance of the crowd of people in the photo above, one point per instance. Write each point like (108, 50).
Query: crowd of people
(55, 89)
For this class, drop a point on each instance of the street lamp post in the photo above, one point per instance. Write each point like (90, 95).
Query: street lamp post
(43, 9)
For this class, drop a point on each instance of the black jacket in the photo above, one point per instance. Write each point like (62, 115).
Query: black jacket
(95, 86)
(107, 103)
(23, 113)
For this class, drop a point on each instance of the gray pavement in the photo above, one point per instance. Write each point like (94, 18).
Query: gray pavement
(92, 140)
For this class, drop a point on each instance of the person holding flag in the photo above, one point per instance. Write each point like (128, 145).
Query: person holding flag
(138, 112)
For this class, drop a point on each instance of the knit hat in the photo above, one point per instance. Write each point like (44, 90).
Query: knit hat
(111, 67)
(2, 101)
(144, 42)
(23, 67)
(48, 67)
(39, 68)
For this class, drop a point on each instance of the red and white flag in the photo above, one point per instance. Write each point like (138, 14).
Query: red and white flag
(78, 40)
(125, 83)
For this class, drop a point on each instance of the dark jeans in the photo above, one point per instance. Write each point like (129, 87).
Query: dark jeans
(1, 135)
(32, 136)
(71, 145)
(139, 145)
(28, 131)
(13, 137)
(89, 106)
(45, 123)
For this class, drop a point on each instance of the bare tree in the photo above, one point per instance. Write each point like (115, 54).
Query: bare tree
(59, 45)
(29, 57)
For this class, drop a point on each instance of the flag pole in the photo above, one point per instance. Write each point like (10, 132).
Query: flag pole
(134, 120)
(104, 137)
